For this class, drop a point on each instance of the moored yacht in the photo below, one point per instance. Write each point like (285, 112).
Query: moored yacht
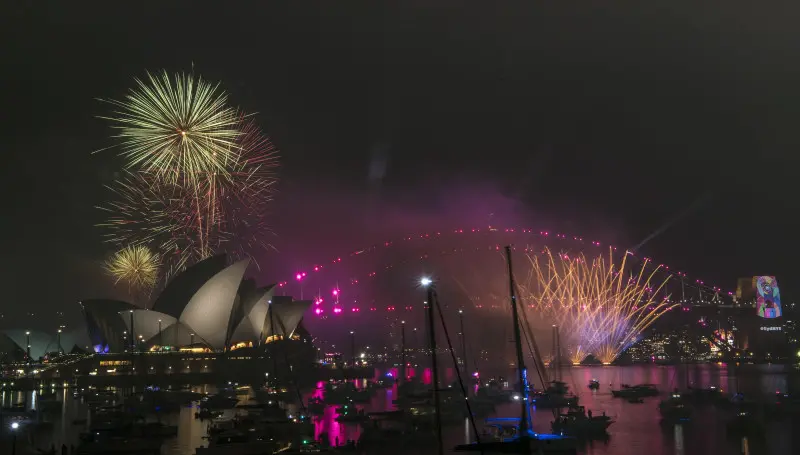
(674, 408)
(514, 435)
(503, 436)
(577, 422)
(636, 391)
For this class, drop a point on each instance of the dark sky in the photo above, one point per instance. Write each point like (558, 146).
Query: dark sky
(603, 120)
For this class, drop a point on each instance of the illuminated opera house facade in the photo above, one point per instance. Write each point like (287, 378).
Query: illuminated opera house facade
(209, 320)
(209, 307)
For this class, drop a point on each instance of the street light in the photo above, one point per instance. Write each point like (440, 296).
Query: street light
(403, 352)
(14, 427)
(426, 282)
(160, 338)
(28, 342)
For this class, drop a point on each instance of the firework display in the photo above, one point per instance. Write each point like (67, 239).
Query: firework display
(145, 211)
(135, 265)
(177, 128)
(600, 306)
(200, 174)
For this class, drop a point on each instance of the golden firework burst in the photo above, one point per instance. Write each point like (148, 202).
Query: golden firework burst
(135, 265)
(601, 306)
(177, 128)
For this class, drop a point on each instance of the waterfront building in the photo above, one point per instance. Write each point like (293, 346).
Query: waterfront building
(207, 320)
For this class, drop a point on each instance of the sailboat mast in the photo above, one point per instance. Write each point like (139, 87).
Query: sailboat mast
(432, 340)
(523, 373)
(554, 355)
(402, 378)
(558, 355)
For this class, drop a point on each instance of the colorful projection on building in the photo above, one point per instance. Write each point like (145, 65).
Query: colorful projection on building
(768, 297)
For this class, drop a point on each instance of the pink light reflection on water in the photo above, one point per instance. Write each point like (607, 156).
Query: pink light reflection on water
(342, 432)
(381, 401)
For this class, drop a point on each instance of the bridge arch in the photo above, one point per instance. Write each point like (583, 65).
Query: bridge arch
(372, 290)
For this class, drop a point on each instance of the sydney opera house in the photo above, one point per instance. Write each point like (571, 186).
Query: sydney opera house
(207, 314)
(208, 306)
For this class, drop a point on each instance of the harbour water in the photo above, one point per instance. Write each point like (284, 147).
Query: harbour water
(638, 428)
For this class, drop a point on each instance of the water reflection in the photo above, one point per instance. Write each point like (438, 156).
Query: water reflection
(678, 439)
(638, 428)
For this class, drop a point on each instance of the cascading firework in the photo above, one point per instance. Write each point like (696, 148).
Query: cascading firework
(600, 307)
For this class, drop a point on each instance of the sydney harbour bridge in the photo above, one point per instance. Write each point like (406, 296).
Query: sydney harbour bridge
(372, 289)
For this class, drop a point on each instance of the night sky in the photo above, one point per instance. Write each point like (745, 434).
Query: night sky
(615, 122)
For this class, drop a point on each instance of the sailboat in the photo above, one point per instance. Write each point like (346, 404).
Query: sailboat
(556, 395)
(515, 434)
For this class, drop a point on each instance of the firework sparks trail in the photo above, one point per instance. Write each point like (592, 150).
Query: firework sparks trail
(201, 174)
(599, 308)
(230, 216)
(177, 129)
(577, 355)
(135, 265)
(162, 215)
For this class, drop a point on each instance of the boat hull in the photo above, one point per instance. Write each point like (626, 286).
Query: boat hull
(554, 444)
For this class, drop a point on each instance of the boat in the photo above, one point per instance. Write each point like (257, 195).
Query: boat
(494, 392)
(306, 447)
(502, 435)
(240, 448)
(556, 395)
(349, 414)
(266, 394)
(594, 384)
(577, 422)
(636, 391)
(213, 402)
(675, 408)
(345, 393)
(120, 446)
(221, 424)
(710, 394)
(423, 413)
(514, 435)
(551, 400)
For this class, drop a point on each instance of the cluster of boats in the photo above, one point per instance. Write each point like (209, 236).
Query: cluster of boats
(125, 425)
(678, 406)
(237, 423)
(411, 424)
